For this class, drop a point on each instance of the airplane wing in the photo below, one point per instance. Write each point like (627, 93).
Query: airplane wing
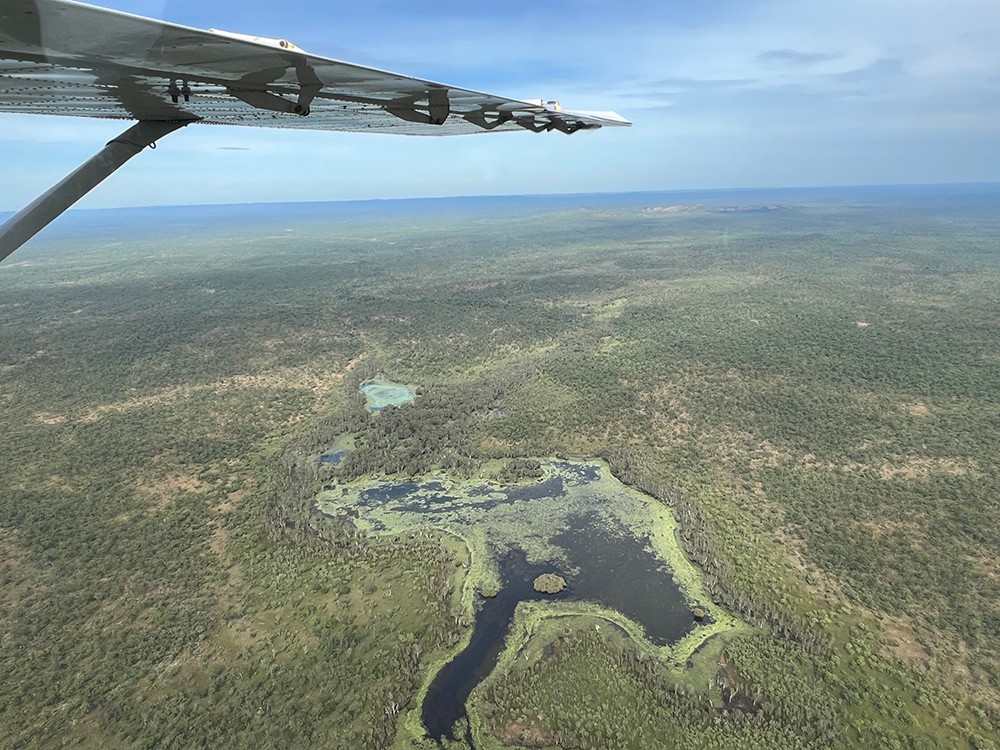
(66, 58)
(61, 57)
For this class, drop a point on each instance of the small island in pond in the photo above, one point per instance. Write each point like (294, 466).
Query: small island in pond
(549, 583)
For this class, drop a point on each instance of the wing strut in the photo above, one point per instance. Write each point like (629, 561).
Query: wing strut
(32, 219)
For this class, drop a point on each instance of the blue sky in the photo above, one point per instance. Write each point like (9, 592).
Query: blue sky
(723, 93)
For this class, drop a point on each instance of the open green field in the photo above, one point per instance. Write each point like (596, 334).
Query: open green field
(809, 382)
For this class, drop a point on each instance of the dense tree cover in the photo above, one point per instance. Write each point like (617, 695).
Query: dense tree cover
(813, 390)
(591, 692)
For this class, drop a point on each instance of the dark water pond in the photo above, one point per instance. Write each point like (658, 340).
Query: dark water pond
(621, 572)
(333, 458)
(613, 568)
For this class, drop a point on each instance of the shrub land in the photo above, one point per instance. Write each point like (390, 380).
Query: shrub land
(810, 384)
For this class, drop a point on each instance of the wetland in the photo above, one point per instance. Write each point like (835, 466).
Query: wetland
(612, 544)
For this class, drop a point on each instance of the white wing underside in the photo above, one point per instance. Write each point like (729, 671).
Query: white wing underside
(65, 58)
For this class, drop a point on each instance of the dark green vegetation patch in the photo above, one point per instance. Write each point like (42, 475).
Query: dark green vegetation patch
(549, 583)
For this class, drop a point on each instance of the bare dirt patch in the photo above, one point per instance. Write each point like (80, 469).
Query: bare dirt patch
(910, 297)
(492, 445)
(924, 468)
(57, 483)
(915, 408)
(164, 396)
(675, 209)
(318, 382)
(613, 309)
(986, 563)
(899, 637)
(218, 541)
(44, 417)
(764, 454)
(161, 492)
(819, 583)
(315, 380)
(13, 554)
(232, 500)
(671, 428)
(768, 455)
(880, 527)
(22, 577)
(900, 642)
(526, 733)
(665, 406)
(479, 286)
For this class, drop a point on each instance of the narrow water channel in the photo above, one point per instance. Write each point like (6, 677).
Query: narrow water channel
(445, 700)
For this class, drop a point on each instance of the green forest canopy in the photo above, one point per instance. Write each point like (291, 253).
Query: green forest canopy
(813, 386)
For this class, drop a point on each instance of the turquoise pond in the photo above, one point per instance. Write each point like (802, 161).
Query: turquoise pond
(383, 393)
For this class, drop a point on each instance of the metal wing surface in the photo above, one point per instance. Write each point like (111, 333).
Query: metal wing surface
(67, 58)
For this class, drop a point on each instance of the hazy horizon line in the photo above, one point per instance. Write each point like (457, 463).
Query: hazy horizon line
(4, 214)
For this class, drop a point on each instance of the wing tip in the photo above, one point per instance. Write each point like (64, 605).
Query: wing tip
(606, 118)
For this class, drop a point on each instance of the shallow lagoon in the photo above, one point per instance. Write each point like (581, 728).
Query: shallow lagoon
(381, 394)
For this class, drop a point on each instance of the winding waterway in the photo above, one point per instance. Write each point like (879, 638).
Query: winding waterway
(445, 700)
